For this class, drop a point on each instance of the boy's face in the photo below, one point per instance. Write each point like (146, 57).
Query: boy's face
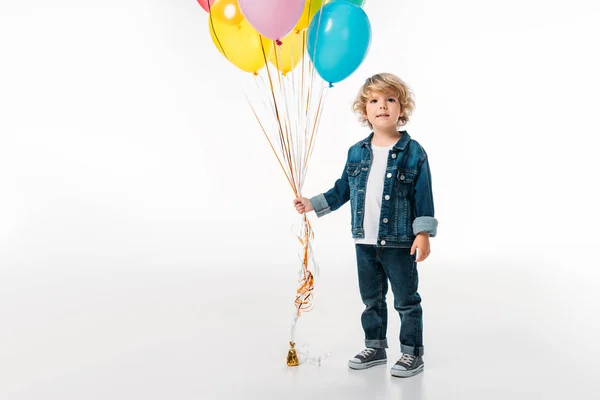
(383, 110)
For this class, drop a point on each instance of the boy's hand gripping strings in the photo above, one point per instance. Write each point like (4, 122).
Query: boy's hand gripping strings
(302, 205)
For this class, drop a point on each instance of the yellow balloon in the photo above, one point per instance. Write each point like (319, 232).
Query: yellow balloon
(310, 9)
(287, 56)
(242, 45)
(227, 11)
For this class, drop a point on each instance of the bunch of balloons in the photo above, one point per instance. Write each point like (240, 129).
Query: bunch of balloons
(336, 34)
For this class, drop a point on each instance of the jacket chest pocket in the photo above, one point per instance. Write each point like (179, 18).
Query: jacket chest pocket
(404, 182)
(353, 171)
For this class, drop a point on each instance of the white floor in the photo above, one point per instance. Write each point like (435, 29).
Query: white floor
(493, 330)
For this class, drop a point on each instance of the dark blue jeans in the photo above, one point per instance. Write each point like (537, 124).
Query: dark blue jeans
(377, 265)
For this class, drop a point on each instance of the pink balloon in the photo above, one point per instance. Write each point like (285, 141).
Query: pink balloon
(272, 18)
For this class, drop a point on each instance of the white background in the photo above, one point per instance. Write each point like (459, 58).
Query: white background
(146, 248)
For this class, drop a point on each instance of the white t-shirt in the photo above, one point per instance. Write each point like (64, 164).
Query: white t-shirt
(374, 193)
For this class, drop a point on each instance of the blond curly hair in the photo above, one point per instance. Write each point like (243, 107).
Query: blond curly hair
(384, 82)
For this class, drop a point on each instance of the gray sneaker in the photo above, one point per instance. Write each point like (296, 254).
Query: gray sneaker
(407, 365)
(368, 358)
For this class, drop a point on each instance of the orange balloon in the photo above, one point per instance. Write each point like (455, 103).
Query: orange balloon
(227, 11)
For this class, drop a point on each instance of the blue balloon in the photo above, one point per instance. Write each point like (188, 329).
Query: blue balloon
(359, 3)
(339, 36)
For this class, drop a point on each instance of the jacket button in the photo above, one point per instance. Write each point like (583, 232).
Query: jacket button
(383, 242)
(394, 155)
(387, 197)
(385, 220)
(402, 177)
(389, 175)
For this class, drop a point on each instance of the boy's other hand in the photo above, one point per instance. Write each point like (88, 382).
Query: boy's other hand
(302, 205)
(422, 243)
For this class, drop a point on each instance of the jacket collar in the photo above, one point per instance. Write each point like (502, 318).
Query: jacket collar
(400, 144)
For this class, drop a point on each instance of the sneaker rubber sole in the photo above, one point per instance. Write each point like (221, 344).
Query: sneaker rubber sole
(405, 374)
(366, 365)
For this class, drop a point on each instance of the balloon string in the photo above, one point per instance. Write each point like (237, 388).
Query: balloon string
(304, 294)
(270, 144)
(286, 113)
(282, 136)
(315, 129)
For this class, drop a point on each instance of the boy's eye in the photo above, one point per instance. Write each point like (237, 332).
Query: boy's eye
(374, 101)
(392, 100)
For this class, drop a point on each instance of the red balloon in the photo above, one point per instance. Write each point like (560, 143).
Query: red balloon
(204, 4)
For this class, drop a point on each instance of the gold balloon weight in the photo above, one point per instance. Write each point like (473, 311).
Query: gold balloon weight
(292, 357)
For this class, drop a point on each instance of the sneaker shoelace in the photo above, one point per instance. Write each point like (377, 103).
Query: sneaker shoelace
(366, 352)
(407, 359)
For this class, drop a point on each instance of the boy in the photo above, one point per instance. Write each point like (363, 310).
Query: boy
(388, 182)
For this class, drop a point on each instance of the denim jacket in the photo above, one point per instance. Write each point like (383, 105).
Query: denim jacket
(407, 203)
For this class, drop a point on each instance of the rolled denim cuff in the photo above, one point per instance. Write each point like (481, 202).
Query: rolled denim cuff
(376, 343)
(425, 224)
(320, 205)
(414, 351)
